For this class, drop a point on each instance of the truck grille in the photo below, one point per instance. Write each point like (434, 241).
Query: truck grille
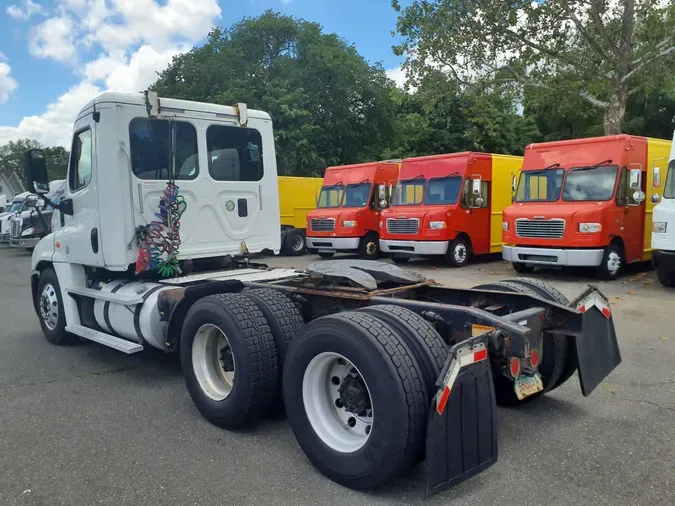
(547, 229)
(15, 227)
(403, 226)
(323, 225)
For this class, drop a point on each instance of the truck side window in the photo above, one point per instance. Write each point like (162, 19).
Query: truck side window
(151, 149)
(234, 153)
(469, 199)
(80, 160)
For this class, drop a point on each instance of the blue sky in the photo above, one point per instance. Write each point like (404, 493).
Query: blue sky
(55, 55)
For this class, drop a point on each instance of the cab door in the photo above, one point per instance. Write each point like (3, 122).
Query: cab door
(79, 239)
(477, 215)
(631, 218)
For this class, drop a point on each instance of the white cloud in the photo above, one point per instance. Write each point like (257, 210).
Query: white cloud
(7, 83)
(131, 41)
(397, 75)
(55, 39)
(26, 11)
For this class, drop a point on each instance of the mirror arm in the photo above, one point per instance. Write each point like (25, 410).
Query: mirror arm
(65, 205)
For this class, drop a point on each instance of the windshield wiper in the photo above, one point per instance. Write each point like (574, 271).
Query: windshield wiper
(589, 167)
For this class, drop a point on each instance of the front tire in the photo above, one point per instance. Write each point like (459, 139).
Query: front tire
(229, 360)
(369, 247)
(355, 399)
(294, 242)
(666, 277)
(458, 252)
(610, 267)
(49, 307)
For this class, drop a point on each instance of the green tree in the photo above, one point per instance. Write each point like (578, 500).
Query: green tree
(597, 52)
(328, 104)
(13, 158)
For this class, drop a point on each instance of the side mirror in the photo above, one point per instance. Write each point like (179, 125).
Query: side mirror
(656, 198)
(479, 202)
(36, 171)
(514, 183)
(475, 186)
(638, 197)
(382, 192)
(383, 204)
(656, 177)
(635, 179)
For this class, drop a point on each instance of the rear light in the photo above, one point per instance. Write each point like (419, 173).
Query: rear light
(534, 358)
(515, 367)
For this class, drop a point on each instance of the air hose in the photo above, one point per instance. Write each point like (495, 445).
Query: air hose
(158, 250)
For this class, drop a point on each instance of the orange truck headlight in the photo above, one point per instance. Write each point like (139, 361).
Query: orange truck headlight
(437, 225)
(349, 223)
(590, 228)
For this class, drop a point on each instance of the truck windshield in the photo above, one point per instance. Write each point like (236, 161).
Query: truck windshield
(540, 185)
(669, 187)
(443, 190)
(330, 196)
(15, 206)
(409, 193)
(590, 183)
(357, 195)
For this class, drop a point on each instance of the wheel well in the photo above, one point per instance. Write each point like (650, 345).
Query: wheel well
(35, 278)
(618, 241)
(466, 237)
(372, 232)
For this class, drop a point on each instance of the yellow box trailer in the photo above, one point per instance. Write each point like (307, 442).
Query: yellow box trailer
(297, 197)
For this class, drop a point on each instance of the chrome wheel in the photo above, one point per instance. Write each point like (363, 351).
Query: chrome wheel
(613, 262)
(460, 253)
(213, 362)
(337, 402)
(297, 243)
(49, 306)
(371, 248)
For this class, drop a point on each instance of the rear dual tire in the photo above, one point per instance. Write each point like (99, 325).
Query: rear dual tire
(387, 389)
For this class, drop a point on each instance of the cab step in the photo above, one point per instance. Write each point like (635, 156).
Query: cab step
(105, 339)
(125, 300)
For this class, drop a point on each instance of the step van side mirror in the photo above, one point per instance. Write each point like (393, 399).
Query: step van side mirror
(635, 183)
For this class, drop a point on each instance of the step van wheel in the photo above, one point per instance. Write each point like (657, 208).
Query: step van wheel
(610, 266)
(424, 342)
(49, 308)
(369, 246)
(229, 360)
(294, 242)
(553, 360)
(551, 293)
(285, 322)
(356, 399)
(522, 268)
(458, 252)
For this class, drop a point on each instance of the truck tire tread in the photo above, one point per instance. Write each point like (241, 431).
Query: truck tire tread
(261, 352)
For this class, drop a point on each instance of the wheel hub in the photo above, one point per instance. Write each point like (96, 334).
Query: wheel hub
(354, 395)
(48, 306)
(227, 359)
(460, 252)
(371, 248)
(296, 243)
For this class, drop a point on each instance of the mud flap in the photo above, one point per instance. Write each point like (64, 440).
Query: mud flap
(462, 441)
(597, 349)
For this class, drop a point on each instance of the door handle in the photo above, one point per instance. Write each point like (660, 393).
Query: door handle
(140, 198)
(260, 196)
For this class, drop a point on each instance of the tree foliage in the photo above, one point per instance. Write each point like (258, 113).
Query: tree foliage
(13, 158)
(328, 104)
(592, 53)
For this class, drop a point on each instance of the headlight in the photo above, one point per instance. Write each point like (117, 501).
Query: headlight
(437, 225)
(505, 226)
(381, 224)
(28, 231)
(659, 227)
(349, 223)
(589, 228)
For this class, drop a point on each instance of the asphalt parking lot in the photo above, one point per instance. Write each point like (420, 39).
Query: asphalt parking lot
(84, 424)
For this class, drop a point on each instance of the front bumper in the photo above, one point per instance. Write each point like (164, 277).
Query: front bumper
(333, 243)
(414, 247)
(24, 242)
(549, 256)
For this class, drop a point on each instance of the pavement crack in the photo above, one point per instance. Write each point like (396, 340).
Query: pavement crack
(68, 378)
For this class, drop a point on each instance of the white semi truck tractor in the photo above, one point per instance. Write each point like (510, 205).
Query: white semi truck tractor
(663, 225)
(376, 367)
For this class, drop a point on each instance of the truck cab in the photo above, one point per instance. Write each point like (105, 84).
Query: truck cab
(582, 203)
(663, 224)
(448, 205)
(348, 209)
(18, 204)
(35, 221)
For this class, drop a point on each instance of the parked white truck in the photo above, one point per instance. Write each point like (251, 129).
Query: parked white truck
(663, 226)
(18, 204)
(34, 221)
(376, 367)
